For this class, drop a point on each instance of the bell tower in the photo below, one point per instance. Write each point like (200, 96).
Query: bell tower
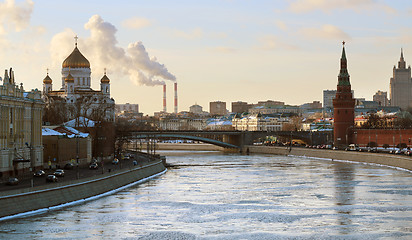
(343, 106)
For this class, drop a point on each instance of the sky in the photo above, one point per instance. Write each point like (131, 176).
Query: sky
(216, 50)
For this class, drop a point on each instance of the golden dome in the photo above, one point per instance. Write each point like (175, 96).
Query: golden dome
(47, 80)
(76, 60)
(105, 79)
(69, 78)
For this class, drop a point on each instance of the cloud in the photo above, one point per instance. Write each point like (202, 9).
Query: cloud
(194, 34)
(223, 49)
(136, 23)
(102, 51)
(271, 42)
(281, 25)
(325, 32)
(14, 16)
(300, 6)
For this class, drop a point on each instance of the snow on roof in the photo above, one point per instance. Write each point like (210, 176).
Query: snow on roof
(81, 122)
(76, 132)
(50, 132)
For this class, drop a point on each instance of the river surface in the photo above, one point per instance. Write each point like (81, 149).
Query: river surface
(211, 195)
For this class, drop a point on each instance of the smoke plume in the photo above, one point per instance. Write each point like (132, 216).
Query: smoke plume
(102, 51)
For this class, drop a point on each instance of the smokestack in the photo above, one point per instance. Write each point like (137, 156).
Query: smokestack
(164, 98)
(176, 97)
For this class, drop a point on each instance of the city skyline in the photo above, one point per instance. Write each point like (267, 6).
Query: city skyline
(217, 51)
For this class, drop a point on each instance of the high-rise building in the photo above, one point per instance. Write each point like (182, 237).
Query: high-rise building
(240, 107)
(401, 85)
(218, 108)
(127, 107)
(328, 96)
(381, 98)
(343, 106)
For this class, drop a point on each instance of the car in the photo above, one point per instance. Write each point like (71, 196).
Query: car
(59, 173)
(69, 166)
(115, 161)
(93, 166)
(39, 173)
(12, 181)
(51, 178)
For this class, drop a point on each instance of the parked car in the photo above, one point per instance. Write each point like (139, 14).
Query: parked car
(39, 173)
(51, 178)
(93, 166)
(69, 166)
(12, 181)
(115, 161)
(59, 173)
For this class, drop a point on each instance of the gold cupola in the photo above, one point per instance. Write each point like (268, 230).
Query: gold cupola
(47, 79)
(76, 60)
(69, 78)
(105, 79)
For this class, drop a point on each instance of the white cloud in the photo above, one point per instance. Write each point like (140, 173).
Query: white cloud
(223, 49)
(281, 25)
(102, 51)
(194, 34)
(136, 23)
(272, 42)
(14, 16)
(325, 32)
(300, 6)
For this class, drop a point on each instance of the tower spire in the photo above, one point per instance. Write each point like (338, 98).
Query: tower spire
(402, 63)
(343, 78)
(75, 40)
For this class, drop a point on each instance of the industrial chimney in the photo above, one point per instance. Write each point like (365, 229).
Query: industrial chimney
(176, 97)
(164, 98)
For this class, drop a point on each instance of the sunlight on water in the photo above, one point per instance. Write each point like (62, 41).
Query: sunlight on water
(209, 195)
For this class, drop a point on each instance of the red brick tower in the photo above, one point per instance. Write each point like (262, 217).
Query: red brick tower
(343, 106)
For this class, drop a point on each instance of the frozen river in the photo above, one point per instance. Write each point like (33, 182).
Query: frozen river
(210, 195)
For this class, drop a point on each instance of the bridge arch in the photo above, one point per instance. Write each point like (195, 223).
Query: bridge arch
(187, 137)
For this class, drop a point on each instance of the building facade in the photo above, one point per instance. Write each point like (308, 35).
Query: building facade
(21, 113)
(218, 108)
(196, 109)
(381, 98)
(401, 85)
(240, 107)
(127, 107)
(328, 96)
(343, 106)
(256, 122)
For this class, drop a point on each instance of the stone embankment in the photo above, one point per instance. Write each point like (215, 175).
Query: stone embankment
(399, 161)
(18, 202)
(188, 146)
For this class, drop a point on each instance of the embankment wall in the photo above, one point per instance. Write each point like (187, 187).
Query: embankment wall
(400, 161)
(30, 199)
(188, 146)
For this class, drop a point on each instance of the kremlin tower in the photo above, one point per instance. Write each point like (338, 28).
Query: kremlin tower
(344, 106)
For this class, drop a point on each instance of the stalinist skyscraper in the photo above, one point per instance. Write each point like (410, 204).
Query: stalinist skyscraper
(401, 85)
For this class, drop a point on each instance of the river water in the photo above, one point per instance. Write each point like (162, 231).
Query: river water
(211, 195)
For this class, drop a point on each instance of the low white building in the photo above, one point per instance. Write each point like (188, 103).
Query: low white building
(175, 124)
(256, 122)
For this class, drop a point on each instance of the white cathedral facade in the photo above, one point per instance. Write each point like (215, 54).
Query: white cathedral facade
(76, 92)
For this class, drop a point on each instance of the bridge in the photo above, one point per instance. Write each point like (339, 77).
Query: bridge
(230, 139)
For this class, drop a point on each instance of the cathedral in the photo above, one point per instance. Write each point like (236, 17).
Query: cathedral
(76, 94)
